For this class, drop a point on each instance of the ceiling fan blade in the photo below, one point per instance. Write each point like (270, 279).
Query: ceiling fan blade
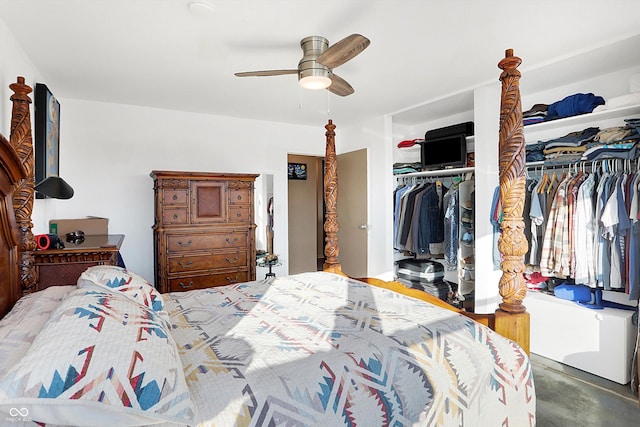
(344, 50)
(339, 86)
(265, 73)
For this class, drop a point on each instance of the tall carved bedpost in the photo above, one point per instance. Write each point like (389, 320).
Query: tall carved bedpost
(512, 320)
(22, 142)
(331, 226)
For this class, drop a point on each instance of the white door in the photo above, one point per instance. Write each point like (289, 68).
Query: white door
(352, 212)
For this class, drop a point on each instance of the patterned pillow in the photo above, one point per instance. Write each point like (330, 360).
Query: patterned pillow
(119, 279)
(103, 359)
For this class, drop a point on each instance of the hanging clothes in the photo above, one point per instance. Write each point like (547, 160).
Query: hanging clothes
(419, 218)
(451, 215)
(592, 232)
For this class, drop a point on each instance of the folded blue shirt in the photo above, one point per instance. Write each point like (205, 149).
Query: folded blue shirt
(573, 105)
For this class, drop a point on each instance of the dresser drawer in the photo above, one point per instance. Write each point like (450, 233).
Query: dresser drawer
(239, 196)
(193, 263)
(239, 214)
(177, 243)
(174, 216)
(174, 197)
(200, 282)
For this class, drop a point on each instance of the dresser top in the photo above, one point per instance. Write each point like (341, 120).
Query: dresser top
(191, 174)
(98, 242)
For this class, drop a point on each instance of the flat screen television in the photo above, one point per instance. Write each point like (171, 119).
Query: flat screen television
(444, 153)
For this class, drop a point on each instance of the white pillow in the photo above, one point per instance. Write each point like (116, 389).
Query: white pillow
(19, 328)
(100, 360)
(114, 278)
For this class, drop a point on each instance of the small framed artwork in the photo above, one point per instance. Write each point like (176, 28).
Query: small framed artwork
(297, 171)
(47, 134)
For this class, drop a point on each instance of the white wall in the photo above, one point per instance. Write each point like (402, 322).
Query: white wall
(108, 150)
(14, 63)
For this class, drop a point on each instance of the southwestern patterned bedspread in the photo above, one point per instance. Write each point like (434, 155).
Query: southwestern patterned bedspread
(318, 349)
(314, 349)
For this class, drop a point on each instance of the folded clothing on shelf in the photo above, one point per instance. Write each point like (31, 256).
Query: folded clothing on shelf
(573, 105)
(410, 142)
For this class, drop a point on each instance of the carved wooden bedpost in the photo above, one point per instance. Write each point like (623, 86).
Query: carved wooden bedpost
(512, 320)
(331, 226)
(22, 142)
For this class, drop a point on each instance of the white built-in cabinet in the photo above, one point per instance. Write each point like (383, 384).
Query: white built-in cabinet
(597, 341)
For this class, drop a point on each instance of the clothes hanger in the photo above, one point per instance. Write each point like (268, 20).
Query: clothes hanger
(551, 182)
(544, 183)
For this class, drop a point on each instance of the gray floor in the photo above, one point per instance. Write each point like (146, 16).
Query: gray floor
(568, 397)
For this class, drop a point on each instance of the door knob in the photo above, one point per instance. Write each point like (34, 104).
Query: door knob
(363, 227)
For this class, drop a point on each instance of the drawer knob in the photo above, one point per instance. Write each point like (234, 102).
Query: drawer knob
(175, 197)
(185, 265)
(232, 242)
(239, 215)
(239, 197)
(232, 261)
(175, 216)
(183, 286)
(181, 243)
(230, 280)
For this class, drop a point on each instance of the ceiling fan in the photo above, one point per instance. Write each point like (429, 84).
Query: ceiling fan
(315, 69)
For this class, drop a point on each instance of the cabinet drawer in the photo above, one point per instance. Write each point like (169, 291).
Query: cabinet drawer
(201, 282)
(208, 262)
(198, 242)
(174, 197)
(239, 196)
(174, 216)
(239, 214)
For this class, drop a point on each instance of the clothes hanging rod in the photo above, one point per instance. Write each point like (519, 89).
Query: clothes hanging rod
(438, 172)
(584, 164)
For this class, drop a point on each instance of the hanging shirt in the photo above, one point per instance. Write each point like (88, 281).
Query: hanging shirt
(584, 229)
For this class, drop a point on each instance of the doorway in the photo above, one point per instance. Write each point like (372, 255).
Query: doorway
(306, 215)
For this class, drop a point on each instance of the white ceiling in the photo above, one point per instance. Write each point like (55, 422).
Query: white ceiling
(159, 53)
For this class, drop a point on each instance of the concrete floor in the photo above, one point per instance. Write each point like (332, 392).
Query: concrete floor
(568, 397)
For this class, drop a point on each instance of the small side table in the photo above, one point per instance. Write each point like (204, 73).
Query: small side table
(54, 267)
(269, 265)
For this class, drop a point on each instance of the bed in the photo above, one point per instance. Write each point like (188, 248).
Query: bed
(312, 349)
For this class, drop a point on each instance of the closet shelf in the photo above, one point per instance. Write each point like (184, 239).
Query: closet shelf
(583, 118)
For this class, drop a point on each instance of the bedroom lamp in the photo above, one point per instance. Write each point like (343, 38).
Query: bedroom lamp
(54, 187)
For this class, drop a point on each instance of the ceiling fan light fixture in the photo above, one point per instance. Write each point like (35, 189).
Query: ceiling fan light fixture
(315, 82)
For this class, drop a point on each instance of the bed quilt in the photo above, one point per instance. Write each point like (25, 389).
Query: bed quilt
(319, 349)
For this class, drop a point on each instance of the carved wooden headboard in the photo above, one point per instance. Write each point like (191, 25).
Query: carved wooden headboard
(16, 205)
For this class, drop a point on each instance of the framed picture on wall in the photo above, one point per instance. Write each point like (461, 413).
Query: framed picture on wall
(297, 171)
(47, 134)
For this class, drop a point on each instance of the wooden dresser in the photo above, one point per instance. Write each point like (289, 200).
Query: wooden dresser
(204, 230)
